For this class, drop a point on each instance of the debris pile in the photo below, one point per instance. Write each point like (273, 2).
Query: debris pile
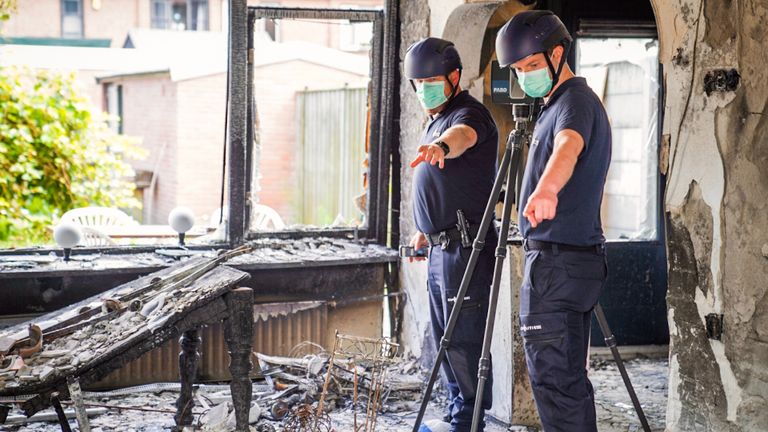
(266, 250)
(302, 392)
(314, 390)
(274, 250)
(67, 342)
(359, 378)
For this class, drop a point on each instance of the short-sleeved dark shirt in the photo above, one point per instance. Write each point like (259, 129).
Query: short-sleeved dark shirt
(466, 181)
(577, 221)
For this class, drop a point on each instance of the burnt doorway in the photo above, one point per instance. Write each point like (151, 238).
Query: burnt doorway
(616, 49)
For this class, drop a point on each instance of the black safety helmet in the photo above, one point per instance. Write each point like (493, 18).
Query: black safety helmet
(532, 32)
(432, 57)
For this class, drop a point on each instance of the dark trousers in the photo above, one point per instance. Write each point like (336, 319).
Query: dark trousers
(446, 269)
(559, 291)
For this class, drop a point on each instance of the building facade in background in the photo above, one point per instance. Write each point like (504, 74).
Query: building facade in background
(99, 22)
(159, 67)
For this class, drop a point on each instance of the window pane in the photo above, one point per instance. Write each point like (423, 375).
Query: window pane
(115, 106)
(71, 21)
(72, 7)
(312, 111)
(160, 14)
(179, 16)
(623, 72)
(198, 15)
(71, 27)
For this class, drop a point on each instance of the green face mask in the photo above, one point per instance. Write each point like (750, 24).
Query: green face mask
(431, 94)
(536, 83)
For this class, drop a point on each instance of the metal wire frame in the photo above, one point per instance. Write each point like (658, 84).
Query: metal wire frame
(351, 354)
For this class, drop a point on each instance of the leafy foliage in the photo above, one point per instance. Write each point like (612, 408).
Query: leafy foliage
(55, 155)
(6, 7)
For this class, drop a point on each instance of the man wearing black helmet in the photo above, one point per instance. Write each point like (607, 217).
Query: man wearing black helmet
(559, 218)
(455, 166)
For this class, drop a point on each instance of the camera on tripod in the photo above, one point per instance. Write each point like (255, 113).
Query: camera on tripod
(506, 91)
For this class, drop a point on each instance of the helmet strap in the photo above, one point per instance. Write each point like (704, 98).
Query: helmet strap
(453, 88)
(556, 73)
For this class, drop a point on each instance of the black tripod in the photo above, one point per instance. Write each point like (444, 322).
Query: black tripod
(511, 158)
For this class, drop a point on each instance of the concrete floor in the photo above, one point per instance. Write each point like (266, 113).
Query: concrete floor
(614, 408)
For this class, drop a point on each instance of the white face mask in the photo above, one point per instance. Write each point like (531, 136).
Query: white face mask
(536, 83)
(431, 94)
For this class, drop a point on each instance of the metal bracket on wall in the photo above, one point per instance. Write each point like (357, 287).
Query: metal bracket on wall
(714, 324)
(721, 80)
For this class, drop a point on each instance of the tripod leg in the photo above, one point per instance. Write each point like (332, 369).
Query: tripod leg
(610, 341)
(484, 367)
(476, 248)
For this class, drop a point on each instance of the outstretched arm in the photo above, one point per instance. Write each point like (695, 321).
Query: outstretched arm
(542, 204)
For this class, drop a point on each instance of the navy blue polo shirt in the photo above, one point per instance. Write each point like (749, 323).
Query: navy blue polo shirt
(465, 182)
(577, 221)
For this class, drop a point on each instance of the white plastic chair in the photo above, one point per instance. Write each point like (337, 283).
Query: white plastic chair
(94, 237)
(98, 216)
(265, 218)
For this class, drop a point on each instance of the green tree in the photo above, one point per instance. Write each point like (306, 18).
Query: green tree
(6, 7)
(55, 155)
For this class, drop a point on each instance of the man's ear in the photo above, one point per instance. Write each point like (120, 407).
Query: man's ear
(454, 76)
(557, 54)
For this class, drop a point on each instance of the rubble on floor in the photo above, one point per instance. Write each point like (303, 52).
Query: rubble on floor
(291, 388)
(295, 393)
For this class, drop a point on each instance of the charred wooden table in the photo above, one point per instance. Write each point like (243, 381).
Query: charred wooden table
(86, 341)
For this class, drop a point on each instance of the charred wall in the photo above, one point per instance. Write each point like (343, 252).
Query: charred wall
(717, 136)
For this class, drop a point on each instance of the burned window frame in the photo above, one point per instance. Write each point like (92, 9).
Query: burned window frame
(383, 158)
(382, 134)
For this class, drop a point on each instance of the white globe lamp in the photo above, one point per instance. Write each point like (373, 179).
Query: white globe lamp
(181, 219)
(67, 235)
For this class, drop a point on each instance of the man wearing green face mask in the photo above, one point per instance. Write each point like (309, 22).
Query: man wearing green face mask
(559, 218)
(454, 168)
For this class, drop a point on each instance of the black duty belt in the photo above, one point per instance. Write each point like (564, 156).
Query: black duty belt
(548, 246)
(443, 238)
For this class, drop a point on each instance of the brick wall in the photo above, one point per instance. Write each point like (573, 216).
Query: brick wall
(275, 88)
(181, 124)
(187, 117)
(200, 143)
(34, 18)
(112, 21)
(215, 11)
(149, 112)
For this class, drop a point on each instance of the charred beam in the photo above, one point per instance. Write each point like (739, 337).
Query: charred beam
(238, 332)
(189, 356)
(238, 119)
(63, 422)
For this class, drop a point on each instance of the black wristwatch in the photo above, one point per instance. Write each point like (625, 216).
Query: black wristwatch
(444, 146)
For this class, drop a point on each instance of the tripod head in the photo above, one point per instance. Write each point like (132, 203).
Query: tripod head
(521, 112)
